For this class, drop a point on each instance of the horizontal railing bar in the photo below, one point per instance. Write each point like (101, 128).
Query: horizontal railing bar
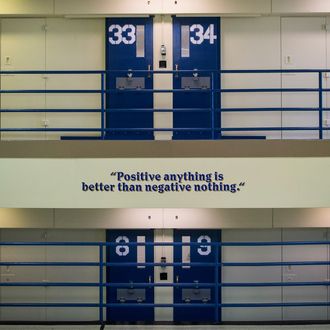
(146, 285)
(86, 305)
(188, 305)
(274, 284)
(183, 305)
(122, 91)
(146, 129)
(237, 244)
(224, 244)
(159, 264)
(275, 71)
(54, 72)
(270, 109)
(260, 305)
(50, 91)
(49, 263)
(54, 243)
(49, 284)
(269, 90)
(109, 243)
(48, 110)
(255, 129)
(137, 285)
(161, 110)
(115, 285)
(270, 264)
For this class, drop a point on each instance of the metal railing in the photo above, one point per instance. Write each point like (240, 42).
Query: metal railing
(216, 95)
(101, 264)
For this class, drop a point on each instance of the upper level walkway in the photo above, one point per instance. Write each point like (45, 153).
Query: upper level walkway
(249, 104)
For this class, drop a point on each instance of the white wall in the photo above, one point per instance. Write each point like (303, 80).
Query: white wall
(274, 43)
(51, 44)
(251, 275)
(23, 48)
(164, 218)
(304, 41)
(117, 7)
(275, 274)
(251, 43)
(49, 274)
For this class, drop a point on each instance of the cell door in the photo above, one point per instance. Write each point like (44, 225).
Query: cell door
(196, 275)
(130, 294)
(129, 47)
(196, 43)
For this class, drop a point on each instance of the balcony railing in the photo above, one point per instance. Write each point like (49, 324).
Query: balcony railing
(218, 129)
(101, 301)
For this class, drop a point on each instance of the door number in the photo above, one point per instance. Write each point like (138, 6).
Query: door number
(204, 250)
(200, 35)
(122, 34)
(122, 250)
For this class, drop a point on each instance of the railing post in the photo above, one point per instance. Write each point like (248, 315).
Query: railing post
(216, 279)
(220, 104)
(212, 108)
(101, 283)
(102, 106)
(320, 106)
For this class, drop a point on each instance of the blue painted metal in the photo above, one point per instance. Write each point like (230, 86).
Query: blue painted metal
(97, 244)
(101, 284)
(291, 243)
(218, 282)
(123, 57)
(103, 94)
(143, 285)
(211, 111)
(215, 284)
(122, 255)
(213, 107)
(263, 305)
(202, 55)
(202, 269)
(272, 264)
(320, 106)
(159, 264)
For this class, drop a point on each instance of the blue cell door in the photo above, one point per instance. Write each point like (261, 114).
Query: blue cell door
(196, 275)
(130, 294)
(196, 43)
(129, 47)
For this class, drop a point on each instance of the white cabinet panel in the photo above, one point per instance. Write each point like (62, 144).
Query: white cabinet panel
(74, 45)
(251, 43)
(22, 48)
(303, 47)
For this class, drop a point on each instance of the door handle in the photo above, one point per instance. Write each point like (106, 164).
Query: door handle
(149, 71)
(177, 279)
(177, 69)
(129, 74)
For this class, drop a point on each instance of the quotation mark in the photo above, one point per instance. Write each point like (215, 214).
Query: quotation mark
(242, 184)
